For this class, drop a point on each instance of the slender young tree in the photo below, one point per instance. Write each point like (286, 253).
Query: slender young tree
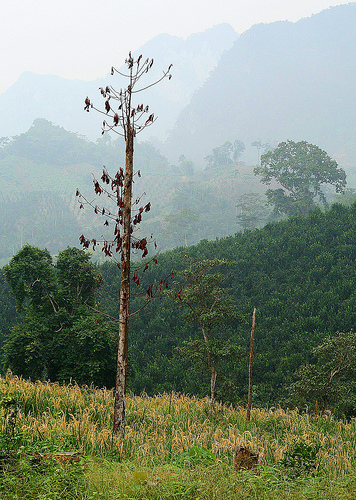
(206, 304)
(126, 119)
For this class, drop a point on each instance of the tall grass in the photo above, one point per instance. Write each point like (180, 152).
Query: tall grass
(159, 429)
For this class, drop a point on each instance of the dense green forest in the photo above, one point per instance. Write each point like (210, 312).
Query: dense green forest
(299, 274)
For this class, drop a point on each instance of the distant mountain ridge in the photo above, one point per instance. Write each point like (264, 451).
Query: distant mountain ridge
(61, 101)
(275, 82)
(279, 81)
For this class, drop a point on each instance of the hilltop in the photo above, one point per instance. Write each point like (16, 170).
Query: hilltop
(61, 101)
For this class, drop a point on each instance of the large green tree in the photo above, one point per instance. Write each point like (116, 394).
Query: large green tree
(61, 335)
(300, 169)
(31, 277)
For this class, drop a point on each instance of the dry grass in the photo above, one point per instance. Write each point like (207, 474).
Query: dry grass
(161, 428)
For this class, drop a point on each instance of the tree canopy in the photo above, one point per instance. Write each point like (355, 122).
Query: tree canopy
(300, 169)
(300, 273)
(30, 275)
(61, 336)
(226, 154)
(330, 384)
(205, 303)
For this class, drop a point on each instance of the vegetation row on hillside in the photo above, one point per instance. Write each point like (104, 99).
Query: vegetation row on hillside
(298, 273)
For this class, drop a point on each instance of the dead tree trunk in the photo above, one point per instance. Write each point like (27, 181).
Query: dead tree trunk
(132, 120)
(248, 413)
(121, 373)
(214, 374)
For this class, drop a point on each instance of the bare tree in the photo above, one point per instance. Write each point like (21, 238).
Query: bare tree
(127, 120)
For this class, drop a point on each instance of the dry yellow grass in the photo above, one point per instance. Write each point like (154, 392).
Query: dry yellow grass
(160, 428)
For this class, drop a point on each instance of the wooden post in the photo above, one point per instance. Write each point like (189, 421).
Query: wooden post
(249, 403)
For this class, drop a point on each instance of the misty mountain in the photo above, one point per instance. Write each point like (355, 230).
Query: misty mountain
(279, 81)
(61, 101)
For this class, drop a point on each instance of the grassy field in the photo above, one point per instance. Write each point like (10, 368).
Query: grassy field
(175, 447)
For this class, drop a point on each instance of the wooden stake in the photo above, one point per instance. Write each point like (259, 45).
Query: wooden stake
(249, 403)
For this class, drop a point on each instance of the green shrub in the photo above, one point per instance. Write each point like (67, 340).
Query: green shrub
(301, 458)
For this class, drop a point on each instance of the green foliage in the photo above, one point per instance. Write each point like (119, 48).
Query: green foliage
(88, 351)
(299, 273)
(221, 356)
(30, 275)
(28, 349)
(196, 351)
(61, 337)
(331, 383)
(301, 458)
(24, 479)
(301, 169)
(76, 278)
(196, 455)
(201, 294)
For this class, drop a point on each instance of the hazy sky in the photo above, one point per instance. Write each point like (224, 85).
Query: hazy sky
(84, 38)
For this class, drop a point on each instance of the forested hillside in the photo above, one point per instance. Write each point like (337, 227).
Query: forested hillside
(299, 274)
(41, 169)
